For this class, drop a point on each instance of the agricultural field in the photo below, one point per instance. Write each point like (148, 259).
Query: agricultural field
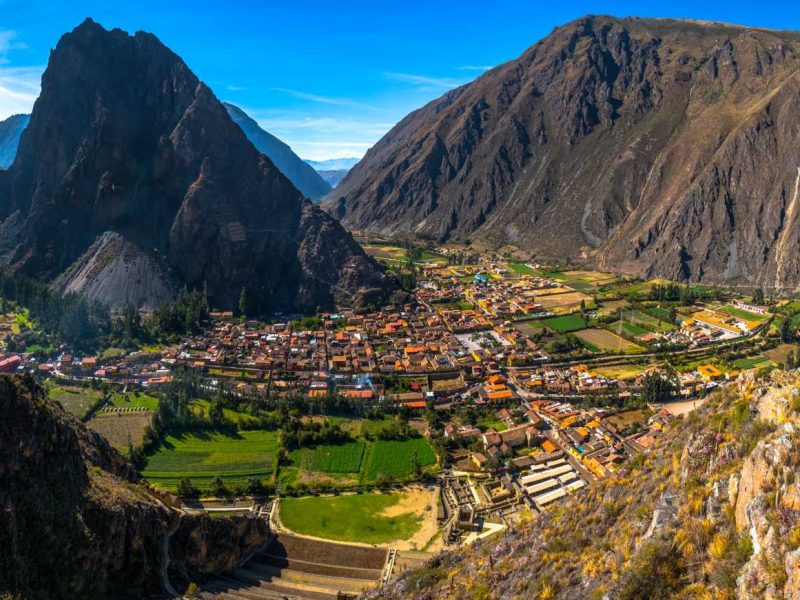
(564, 324)
(395, 459)
(753, 362)
(659, 313)
(529, 328)
(201, 408)
(563, 302)
(365, 518)
(604, 340)
(588, 281)
(77, 400)
(200, 456)
(340, 458)
(780, 353)
(120, 429)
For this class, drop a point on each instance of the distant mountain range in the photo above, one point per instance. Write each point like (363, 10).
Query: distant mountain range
(132, 180)
(660, 147)
(10, 131)
(333, 170)
(301, 174)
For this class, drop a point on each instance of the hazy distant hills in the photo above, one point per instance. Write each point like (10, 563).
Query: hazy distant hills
(334, 169)
(654, 146)
(131, 179)
(302, 175)
(10, 131)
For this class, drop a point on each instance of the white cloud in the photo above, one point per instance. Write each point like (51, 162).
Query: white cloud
(321, 137)
(325, 99)
(424, 80)
(19, 88)
(236, 88)
(8, 42)
(474, 68)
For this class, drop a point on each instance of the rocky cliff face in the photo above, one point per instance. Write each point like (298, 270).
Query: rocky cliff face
(301, 174)
(712, 511)
(10, 131)
(125, 140)
(74, 525)
(653, 146)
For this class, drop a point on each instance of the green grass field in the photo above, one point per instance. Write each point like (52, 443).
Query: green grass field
(564, 324)
(659, 313)
(200, 456)
(521, 269)
(396, 458)
(351, 518)
(742, 314)
(341, 458)
(624, 327)
(76, 400)
(134, 401)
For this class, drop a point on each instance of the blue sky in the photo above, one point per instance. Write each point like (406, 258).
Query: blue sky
(329, 78)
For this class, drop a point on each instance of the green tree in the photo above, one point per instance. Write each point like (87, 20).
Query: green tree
(243, 302)
(186, 489)
(758, 296)
(218, 486)
(659, 387)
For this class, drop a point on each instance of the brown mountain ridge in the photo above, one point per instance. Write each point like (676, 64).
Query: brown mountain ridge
(131, 180)
(654, 146)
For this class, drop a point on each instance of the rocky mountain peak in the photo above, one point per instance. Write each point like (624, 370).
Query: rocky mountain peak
(124, 138)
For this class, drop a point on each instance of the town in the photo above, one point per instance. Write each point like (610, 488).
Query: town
(500, 388)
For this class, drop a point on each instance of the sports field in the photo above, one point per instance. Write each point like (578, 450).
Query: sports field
(742, 314)
(395, 459)
(340, 458)
(605, 340)
(624, 327)
(564, 324)
(200, 456)
(365, 518)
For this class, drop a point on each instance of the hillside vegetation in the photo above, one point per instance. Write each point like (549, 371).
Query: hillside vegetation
(713, 511)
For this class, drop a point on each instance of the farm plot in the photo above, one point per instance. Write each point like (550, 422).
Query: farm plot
(605, 340)
(76, 400)
(588, 281)
(529, 327)
(395, 459)
(562, 302)
(564, 324)
(121, 428)
(365, 518)
(753, 362)
(200, 456)
(341, 458)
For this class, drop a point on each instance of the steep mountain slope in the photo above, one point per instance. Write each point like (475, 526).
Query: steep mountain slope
(10, 131)
(653, 146)
(72, 523)
(712, 511)
(124, 138)
(302, 175)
